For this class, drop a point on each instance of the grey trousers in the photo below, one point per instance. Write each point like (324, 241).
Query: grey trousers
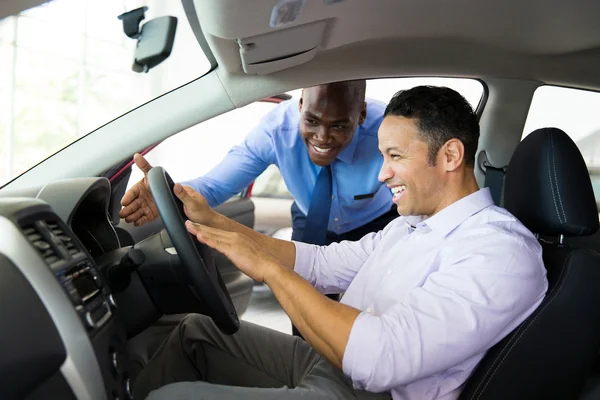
(197, 361)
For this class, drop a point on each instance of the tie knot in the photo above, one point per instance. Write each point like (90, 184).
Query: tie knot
(325, 170)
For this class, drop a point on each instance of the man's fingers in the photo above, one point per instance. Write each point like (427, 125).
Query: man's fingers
(191, 227)
(209, 241)
(217, 234)
(135, 216)
(221, 238)
(190, 191)
(217, 243)
(195, 228)
(127, 211)
(141, 221)
(132, 207)
(142, 163)
(181, 193)
(131, 195)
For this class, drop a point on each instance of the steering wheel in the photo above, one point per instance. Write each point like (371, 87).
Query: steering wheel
(197, 259)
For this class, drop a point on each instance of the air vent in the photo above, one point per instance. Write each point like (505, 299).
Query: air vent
(61, 235)
(43, 246)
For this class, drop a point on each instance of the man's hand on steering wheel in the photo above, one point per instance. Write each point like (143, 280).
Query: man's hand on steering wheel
(250, 258)
(195, 206)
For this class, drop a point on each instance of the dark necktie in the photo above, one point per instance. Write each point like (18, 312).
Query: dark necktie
(317, 218)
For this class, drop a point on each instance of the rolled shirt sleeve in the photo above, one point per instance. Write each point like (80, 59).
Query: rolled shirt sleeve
(461, 310)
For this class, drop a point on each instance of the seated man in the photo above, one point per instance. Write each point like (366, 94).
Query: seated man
(425, 298)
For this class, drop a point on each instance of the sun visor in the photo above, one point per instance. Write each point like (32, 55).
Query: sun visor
(281, 49)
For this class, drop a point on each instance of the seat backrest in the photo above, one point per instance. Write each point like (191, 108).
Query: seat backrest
(550, 355)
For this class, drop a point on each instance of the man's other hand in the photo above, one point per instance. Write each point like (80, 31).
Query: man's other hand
(195, 205)
(247, 255)
(138, 203)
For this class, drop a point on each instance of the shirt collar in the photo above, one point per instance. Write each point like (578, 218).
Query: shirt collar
(413, 221)
(455, 214)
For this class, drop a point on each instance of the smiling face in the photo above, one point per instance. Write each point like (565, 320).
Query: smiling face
(329, 115)
(417, 184)
(428, 140)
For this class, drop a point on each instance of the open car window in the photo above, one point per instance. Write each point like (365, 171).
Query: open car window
(195, 151)
(66, 69)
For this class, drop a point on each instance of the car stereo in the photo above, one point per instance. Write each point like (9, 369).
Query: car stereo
(91, 298)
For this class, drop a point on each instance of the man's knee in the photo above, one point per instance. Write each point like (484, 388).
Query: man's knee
(176, 358)
(195, 329)
(193, 325)
(195, 320)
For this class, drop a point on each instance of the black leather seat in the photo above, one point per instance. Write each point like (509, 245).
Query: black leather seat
(550, 355)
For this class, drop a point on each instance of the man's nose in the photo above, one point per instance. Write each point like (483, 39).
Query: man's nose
(321, 134)
(385, 173)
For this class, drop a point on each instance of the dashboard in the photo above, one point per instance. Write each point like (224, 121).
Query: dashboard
(61, 337)
(76, 286)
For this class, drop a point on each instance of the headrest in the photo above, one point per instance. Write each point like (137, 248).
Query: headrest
(548, 186)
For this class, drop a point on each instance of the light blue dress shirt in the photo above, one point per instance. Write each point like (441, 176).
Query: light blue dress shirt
(358, 197)
(435, 294)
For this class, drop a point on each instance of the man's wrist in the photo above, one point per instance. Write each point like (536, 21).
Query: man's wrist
(273, 273)
(214, 219)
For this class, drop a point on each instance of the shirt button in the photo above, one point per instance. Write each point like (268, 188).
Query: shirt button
(332, 197)
(369, 310)
(336, 219)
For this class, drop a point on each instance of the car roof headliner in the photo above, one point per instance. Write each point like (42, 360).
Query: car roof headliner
(552, 41)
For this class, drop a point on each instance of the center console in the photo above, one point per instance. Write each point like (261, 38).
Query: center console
(91, 299)
(89, 295)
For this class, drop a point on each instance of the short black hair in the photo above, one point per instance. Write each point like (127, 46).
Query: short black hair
(355, 89)
(441, 114)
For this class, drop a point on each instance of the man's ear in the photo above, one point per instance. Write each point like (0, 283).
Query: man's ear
(363, 114)
(301, 101)
(454, 154)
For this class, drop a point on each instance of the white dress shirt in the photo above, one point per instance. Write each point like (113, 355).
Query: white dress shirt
(435, 294)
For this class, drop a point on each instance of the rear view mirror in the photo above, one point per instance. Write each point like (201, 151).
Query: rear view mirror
(155, 43)
(154, 40)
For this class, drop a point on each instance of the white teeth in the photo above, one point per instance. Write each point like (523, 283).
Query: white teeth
(321, 150)
(398, 189)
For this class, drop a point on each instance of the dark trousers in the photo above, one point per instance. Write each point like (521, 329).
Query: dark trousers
(197, 361)
(299, 222)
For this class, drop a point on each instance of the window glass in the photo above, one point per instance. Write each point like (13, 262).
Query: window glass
(196, 150)
(65, 70)
(270, 184)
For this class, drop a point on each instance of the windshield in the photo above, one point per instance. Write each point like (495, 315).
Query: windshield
(65, 70)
